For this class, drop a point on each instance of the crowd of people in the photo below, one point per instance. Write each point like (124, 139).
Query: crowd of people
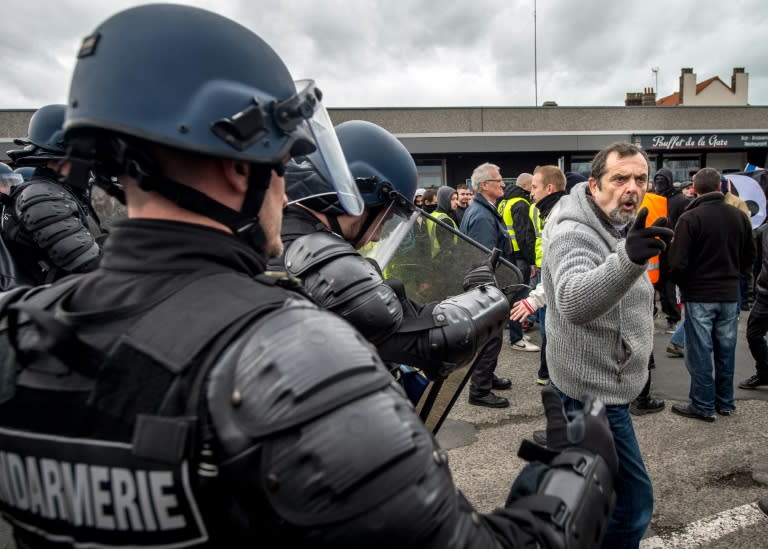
(198, 346)
(600, 254)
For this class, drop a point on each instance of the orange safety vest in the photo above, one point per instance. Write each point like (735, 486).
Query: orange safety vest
(657, 207)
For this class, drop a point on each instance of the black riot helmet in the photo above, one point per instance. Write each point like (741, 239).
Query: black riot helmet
(25, 172)
(191, 80)
(382, 167)
(45, 138)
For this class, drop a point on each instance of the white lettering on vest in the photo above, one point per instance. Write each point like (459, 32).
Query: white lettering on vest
(78, 493)
(158, 480)
(54, 498)
(107, 498)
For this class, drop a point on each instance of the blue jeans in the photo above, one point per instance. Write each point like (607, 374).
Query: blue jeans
(678, 337)
(711, 332)
(634, 492)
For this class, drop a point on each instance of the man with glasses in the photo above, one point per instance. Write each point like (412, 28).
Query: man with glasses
(483, 223)
(599, 312)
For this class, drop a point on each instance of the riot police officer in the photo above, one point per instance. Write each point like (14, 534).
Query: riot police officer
(176, 396)
(48, 226)
(321, 240)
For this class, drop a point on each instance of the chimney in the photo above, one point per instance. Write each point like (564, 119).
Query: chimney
(649, 97)
(739, 85)
(633, 99)
(687, 84)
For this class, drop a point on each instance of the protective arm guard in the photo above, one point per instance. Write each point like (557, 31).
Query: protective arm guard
(320, 448)
(446, 336)
(569, 501)
(51, 216)
(340, 280)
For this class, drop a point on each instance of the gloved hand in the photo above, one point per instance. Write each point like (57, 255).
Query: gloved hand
(587, 428)
(479, 274)
(645, 242)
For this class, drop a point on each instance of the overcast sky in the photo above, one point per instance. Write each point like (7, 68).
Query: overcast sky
(420, 53)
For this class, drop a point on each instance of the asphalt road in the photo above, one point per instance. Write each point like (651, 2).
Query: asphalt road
(706, 476)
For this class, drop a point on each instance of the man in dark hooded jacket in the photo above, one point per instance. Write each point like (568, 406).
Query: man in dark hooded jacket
(676, 203)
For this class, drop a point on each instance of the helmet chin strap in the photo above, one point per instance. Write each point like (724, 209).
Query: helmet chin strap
(333, 221)
(371, 215)
(134, 161)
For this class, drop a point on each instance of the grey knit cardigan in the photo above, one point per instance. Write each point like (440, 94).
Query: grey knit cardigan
(599, 306)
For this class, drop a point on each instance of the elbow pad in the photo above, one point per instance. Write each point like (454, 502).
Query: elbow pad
(464, 323)
(51, 216)
(340, 280)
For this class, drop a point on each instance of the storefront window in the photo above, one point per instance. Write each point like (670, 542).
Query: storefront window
(430, 175)
(682, 167)
(583, 167)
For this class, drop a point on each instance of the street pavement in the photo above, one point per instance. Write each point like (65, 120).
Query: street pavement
(706, 476)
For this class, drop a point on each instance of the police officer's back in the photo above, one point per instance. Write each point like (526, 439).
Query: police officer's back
(177, 397)
(48, 226)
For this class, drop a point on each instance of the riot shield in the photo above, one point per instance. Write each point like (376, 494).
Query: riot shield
(432, 258)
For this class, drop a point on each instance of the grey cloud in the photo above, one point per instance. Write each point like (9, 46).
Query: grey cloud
(423, 53)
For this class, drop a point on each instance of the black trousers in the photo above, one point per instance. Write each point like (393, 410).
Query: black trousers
(485, 366)
(757, 326)
(668, 299)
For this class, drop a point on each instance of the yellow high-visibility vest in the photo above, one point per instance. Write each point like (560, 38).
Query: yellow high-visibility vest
(432, 230)
(538, 228)
(505, 209)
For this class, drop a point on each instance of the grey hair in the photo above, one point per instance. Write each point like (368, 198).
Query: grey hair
(483, 173)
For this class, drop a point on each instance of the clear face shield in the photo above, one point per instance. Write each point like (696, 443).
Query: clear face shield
(8, 180)
(328, 158)
(391, 227)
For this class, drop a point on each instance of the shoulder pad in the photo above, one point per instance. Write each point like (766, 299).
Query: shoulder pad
(315, 249)
(42, 203)
(295, 364)
(40, 189)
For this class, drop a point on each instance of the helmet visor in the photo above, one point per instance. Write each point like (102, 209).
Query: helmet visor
(328, 158)
(7, 180)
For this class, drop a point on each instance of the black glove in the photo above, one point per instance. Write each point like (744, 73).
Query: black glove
(587, 428)
(645, 242)
(479, 274)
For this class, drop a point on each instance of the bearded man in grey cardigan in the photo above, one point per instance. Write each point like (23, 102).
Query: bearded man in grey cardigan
(600, 312)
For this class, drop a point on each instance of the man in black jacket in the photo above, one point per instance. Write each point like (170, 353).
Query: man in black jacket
(712, 245)
(757, 324)
(676, 203)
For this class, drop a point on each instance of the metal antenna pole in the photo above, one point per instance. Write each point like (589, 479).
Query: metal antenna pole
(535, 61)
